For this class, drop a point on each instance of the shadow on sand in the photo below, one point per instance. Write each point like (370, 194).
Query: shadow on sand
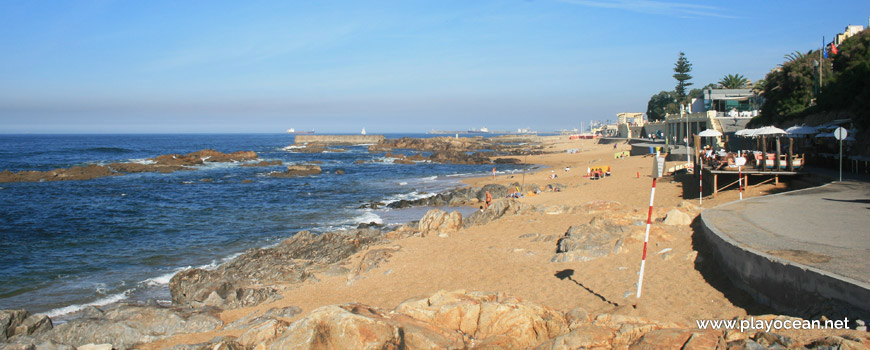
(567, 273)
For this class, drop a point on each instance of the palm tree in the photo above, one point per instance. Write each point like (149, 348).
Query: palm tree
(733, 81)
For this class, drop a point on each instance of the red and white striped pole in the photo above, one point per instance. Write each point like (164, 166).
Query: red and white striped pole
(701, 185)
(740, 181)
(652, 196)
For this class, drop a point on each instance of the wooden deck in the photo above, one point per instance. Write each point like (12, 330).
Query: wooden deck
(711, 177)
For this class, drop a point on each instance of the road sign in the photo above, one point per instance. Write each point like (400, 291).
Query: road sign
(841, 133)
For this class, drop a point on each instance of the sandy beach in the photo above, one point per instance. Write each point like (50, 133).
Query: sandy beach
(514, 254)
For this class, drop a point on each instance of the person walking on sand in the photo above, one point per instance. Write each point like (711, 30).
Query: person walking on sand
(488, 199)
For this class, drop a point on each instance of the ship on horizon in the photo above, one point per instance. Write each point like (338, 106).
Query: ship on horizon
(293, 131)
(482, 130)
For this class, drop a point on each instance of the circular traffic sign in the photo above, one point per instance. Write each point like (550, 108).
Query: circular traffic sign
(841, 133)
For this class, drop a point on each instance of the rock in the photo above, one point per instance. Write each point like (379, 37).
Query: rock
(677, 218)
(339, 172)
(349, 326)
(263, 333)
(95, 347)
(507, 161)
(745, 344)
(589, 241)
(210, 155)
(299, 170)
(582, 337)
(74, 173)
(492, 318)
(253, 277)
(498, 209)
(767, 339)
(439, 221)
(672, 338)
(125, 326)
(9, 321)
(835, 342)
(34, 325)
(371, 260)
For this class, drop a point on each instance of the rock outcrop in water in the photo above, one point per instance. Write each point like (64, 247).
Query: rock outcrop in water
(299, 170)
(162, 164)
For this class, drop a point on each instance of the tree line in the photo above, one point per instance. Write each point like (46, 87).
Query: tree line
(806, 83)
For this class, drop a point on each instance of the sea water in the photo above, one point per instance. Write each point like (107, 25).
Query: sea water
(68, 244)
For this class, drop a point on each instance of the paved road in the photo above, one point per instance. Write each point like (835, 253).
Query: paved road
(826, 227)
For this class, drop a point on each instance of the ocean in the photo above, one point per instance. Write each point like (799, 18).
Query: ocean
(65, 245)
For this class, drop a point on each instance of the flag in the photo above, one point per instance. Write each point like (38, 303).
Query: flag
(833, 49)
(825, 52)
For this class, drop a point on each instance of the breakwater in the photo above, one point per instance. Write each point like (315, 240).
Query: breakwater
(339, 139)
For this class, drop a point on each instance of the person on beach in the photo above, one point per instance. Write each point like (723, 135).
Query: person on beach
(488, 199)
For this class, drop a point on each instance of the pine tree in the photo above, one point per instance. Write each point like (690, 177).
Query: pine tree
(682, 69)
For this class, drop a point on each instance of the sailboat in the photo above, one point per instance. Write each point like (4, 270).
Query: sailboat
(364, 131)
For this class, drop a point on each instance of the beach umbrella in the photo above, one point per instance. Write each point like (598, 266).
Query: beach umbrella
(745, 132)
(801, 130)
(768, 130)
(709, 133)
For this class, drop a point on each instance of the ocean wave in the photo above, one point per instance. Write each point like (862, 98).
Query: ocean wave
(114, 298)
(291, 147)
(411, 196)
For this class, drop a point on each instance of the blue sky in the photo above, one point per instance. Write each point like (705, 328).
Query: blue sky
(389, 66)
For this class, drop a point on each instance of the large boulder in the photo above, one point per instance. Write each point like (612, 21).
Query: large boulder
(349, 326)
(495, 319)
(600, 237)
(498, 209)
(439, 221)
(677, 218)
(10, 320)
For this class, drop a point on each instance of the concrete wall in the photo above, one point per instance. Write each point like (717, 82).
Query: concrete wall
(786, 286)
(339, 139)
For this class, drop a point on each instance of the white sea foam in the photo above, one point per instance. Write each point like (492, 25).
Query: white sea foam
(114, 298)
(292, 147)
(403, 183)
(407, 196)
(144, 161)
(366, 217)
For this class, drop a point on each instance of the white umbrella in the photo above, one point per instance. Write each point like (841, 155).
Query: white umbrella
(801, 130)
(745, 132)
(769, 130)
(709, 133)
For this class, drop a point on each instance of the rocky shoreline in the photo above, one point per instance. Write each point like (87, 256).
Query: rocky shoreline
(445, 320)
(453, 319)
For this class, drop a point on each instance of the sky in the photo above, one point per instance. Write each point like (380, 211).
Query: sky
(387, 66)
